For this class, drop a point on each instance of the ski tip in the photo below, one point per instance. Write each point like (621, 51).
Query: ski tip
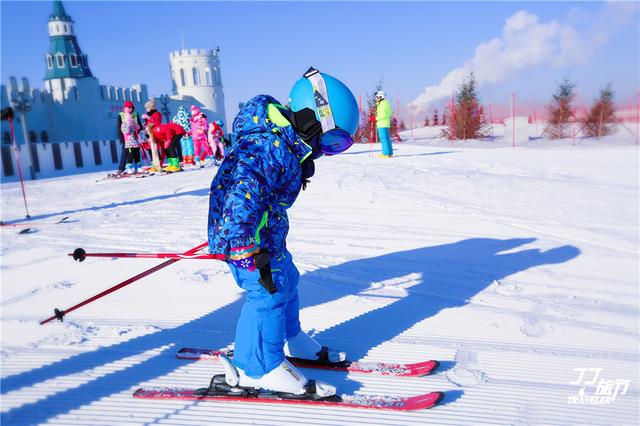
(434, 366)
(426, 401)
(424, 368)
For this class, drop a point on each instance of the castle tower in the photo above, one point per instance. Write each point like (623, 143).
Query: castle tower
(65, 61)
(196, 73)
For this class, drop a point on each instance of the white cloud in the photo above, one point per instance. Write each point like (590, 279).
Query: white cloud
(526, 42)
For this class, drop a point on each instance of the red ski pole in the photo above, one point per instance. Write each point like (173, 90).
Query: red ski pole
(80, 255)
(15, 152)
(59, 314)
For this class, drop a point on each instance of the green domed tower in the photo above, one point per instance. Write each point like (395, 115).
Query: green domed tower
(64, 59)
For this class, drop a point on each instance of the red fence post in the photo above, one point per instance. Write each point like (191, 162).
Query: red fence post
(452, 133)
(513, 120)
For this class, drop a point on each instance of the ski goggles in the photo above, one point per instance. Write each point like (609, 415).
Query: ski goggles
(335, 141)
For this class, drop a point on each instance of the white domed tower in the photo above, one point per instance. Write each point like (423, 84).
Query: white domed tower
(196, 73)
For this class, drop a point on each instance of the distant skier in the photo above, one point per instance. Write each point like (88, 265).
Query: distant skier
(128, 126)
(215, 135)
(372, 128)
(383, 122)
(168, 136)
(268, 164)
(154, 118)
(186, 143)
(198, 133)
(395, 130)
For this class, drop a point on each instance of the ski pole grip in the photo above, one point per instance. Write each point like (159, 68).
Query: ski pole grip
(263, 263)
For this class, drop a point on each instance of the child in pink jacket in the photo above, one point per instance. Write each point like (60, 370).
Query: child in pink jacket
(198, 134)
(215, 136)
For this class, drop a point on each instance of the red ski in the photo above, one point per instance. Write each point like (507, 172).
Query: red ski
(379, 368)
(378, 402)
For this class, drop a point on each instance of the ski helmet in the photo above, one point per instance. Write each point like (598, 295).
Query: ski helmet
(380, 95)
(220, 123)
(323, 106)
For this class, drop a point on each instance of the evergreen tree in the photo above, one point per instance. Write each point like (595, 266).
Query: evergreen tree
(560, 111)
(468, 118)
(600, 119)
(426, 120)
(436, 119)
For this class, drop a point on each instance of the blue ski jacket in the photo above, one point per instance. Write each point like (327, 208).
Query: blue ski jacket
(258, 181)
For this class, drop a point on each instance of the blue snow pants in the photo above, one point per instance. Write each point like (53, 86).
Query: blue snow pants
(267, 321)
(384, 134)
(187, 146)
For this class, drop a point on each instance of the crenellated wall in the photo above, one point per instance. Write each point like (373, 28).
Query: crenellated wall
(60, 159)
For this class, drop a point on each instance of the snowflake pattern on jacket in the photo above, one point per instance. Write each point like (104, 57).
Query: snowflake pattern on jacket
(182, 118)
(258, 181)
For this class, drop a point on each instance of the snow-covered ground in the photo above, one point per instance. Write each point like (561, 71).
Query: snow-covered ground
(514, 267)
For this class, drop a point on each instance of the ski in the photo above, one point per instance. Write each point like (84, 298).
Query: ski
(378, 402)
(27, 231)
(118, 176)
(377, 368)
(41, 222)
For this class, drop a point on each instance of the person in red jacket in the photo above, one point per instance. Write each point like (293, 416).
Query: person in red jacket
(168, 136)
(372, 128)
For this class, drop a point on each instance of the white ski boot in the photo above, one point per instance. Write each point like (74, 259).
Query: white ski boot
(283, 379)
(303, 346)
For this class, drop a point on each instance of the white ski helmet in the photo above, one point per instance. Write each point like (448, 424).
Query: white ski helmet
(380, 95)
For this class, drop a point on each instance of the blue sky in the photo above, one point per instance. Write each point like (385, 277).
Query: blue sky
(266, 46)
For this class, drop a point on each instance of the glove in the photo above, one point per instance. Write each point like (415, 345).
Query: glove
(263, 263)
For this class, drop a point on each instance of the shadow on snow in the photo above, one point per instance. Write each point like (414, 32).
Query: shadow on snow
(195, 193)
(441, 277)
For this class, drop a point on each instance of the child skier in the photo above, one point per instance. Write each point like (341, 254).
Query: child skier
(168, 137)
(198, 133)
(154, 118)
(215, 135)
(263, 172)
(129, 125)
(186, 143)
